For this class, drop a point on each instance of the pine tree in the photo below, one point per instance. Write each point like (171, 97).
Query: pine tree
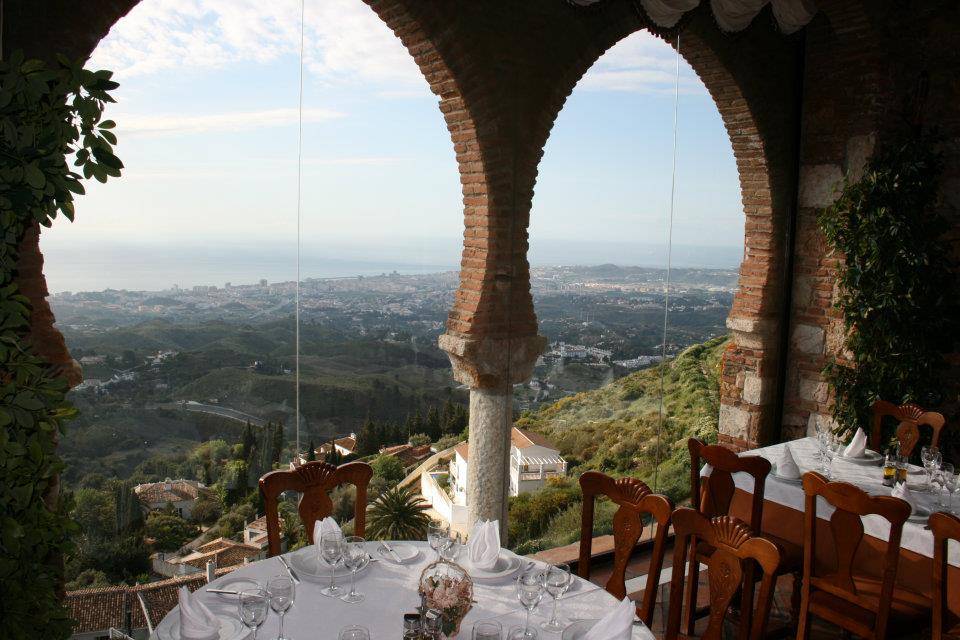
(311, 453)
(278, 442)
(368, 442)
(432, 424)
(248, 441)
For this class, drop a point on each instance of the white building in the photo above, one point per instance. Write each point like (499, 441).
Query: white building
(533, 460)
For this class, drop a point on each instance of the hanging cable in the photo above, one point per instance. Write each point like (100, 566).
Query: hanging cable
(299, 199)
(666, 288)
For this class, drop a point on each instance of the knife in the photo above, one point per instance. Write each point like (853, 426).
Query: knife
(291, 572)
(391, 552)
(226, 592)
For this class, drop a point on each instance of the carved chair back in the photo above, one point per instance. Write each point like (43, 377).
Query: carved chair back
(846, 529)
(945, 527)
(716, 490)
(737, 550)
(910, 417)
(313, 481)
(635, 501)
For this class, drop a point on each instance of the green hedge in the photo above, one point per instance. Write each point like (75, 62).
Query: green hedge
(47, 114)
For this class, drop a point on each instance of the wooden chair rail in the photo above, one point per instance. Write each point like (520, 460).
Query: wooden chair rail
(910, 417)
(945, 527)
(636, 501)
(313, 481)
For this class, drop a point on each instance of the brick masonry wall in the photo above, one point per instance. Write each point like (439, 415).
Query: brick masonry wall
(863, 63)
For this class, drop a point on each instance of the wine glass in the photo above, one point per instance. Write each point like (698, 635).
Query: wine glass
(355, 557)
(253, 606)
(522, 633)
(451, 549)
(823, 444)
(437, 534)
(282, 594)
(556, 580)
(331, 551)
(489, 630)
(945, 482)
(953, 485)
(834, 448)
(931, 458)
(354, 632)
(530, 592)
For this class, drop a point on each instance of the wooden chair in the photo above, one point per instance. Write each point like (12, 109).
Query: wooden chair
(861, 604)
(716, 493)
(314, 481)
(737, 550)
(909, 417)
(945, 527)
(636, 501)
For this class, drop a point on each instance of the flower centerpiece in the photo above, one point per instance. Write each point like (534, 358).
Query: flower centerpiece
(445, 587)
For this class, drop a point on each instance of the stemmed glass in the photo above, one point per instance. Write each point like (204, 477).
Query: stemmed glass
(834, 446)
(931, 458)
(331, 551)
(355, 557)
(556, 580)
(945, 482)
(530, 592)
(282, 594)
(451, 549)
(354, 632)
(437, 535)
(488, 630)
(253, 606)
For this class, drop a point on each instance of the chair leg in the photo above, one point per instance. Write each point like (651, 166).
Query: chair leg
(693, 579)
(795, 596)
(803, 622)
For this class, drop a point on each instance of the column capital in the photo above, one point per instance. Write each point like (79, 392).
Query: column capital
(492, 363)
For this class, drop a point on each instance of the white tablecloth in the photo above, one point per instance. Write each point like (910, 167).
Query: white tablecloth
(391, 591)
(916, 537)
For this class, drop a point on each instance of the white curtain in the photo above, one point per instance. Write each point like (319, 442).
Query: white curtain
(731, 15)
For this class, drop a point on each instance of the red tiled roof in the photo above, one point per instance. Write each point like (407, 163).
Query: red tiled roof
(163, 492)
(463, 449)
(522, 439)
(101, 608)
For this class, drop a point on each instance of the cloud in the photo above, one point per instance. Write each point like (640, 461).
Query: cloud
(179, 124)
(641, 63)
(345, 42)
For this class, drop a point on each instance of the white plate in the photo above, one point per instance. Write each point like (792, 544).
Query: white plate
(507, 565)
(406, 552)
(869, 457)
(230, 628)
(309, 567)
(234, 583)
(577, 629)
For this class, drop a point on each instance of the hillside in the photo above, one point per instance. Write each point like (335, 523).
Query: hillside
(615, 428)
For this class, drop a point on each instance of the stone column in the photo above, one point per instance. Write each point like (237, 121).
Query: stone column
(490, 367)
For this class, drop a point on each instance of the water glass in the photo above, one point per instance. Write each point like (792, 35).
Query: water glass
(945, 483)
(530, 591)
(355, 557)
(253, 606)
(489, 630)
(354, 632)
(282, 593)
(331, 551)
(931, 458)
(437, 536)
(522, 633)
(451, 549)
(556, 580)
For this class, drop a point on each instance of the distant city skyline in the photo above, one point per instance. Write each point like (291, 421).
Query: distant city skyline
(207, 122)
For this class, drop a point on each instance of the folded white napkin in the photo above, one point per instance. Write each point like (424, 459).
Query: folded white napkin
(901, 491)
(321, 527)
(616, 625)
(857, 446)
(483, 549)
(787, 465)
(196, 621)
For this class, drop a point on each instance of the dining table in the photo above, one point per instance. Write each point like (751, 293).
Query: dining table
(390, 590)
(784, 503)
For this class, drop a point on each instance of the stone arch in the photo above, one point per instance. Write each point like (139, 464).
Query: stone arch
(751, 78)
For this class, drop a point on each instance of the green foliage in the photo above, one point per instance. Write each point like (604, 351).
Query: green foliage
(389, 468)
(170, 531)
(207, 509)
(96, 512)
(398, 514)
(896, 290)
(46, 115)
(88, 579)
(419, 439)
(530, 513)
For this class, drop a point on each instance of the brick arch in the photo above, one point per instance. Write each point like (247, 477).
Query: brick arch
(750, 77)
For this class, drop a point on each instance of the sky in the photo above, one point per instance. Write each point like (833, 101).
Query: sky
(207, 117)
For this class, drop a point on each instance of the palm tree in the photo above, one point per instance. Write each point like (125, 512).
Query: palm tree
(398, 514)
